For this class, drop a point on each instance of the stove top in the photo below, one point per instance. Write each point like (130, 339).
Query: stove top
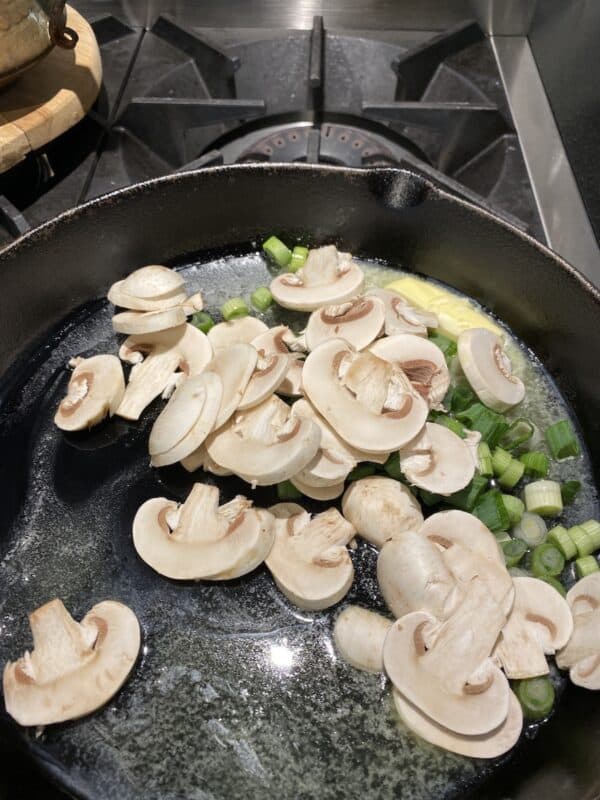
(178, 97)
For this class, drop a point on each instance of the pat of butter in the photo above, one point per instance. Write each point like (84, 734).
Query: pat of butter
(455, 314)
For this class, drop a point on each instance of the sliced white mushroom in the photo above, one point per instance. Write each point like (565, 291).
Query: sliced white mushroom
(153, 281)
(327, 277)
(200, 459)
(140, 322)
(412, 576)
(359, 321)
(450, 467)
(318, 492)
(381, 508)
(274, 341)
(74, 667)
(200, 540)
(309, 560)
(359, 635)
(401, 317)
(581, 655)
(269, 373)
(487, 745)
(446, 670)
(422, 362)
(540, 624)
(457, 527)
(243, 329)
(265, 444)
(369, 402)
(95, 390)
(118, 296)
(186, 420)
(488, 369)
(234, 365)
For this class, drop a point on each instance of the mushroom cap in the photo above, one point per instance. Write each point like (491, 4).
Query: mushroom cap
(318, 492)
(327, 277)
(447, 673)
(74, 668)
(582, 652)
(401, 317)
(265, 444)
(243, 329)
(412, 576)
(487, 745)
(459, 527)
(584, 596)
(186, 420)
(421, 360)
(381, 508)
(153, 281)
(359, 635)
(269, 373)
(451, 467)
(273, 342)
(309, 560)
(540, 623)
(350, 412)
(488, 369)
(119, 297)
(148, 321)
(234, 365)
(95, 389)
(207, 542)
(359, 321)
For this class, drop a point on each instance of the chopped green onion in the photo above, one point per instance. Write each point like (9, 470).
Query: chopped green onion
(447, 346)
(287, 491)
(261, 298)
(490, 509)
(520, 431)
(299, 256)
(430, 498)
(513, 550)
(514, 507)
(582, 540)
(562, 440)
(536, 463)
(392, 466)
(544, 498)
(536, 696)
(361, 471)
(462, 397)
(518, 572)
(467, 497)
(203, 321)
(592, 528)
(234, 309)
(586, 565)
(491, 426)
(275, 248)
(554, 583)
(546, 559)
(502, 536)
(569, 491)
(485, 459)
(500, 460)
(531, 529)
(512, 474)
(448, 422)
(559, 536)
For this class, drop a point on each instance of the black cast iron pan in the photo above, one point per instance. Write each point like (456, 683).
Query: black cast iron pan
(236, 693)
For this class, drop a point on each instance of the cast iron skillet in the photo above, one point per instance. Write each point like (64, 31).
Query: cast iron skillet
(206, 713)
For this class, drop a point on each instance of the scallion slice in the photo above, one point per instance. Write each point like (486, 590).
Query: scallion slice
(462, 397)
(447, 346)
(491, 426)
(555, 584)
(592, 528)
(531, 529)
(299, 256)
(544, 498)
(562, 440)
(287, 491)
(278, 251)
(513, 550)
(451, 423)
(546, 559)
(586, 565)
(515, 508)
(536, 463)
(430, 498)
(491, 511)
(518, 572)
(569, 491)
(234, 308)
(203, 321)
(261, 298)
(502, 536)
(559, 536)
(582, 541)
(392, 466)
(500, 460)
(520, 431)
(485, 459)
(361, 471)
(512, 474)
(536, 696)
(467, 497)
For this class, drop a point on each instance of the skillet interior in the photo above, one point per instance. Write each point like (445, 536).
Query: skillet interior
(84, 499)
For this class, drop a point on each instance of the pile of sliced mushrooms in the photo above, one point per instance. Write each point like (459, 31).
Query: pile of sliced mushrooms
(269, 406)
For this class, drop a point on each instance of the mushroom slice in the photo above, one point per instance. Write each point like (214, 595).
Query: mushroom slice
(465, 564)
(381, 508)
(487, 745)
(318, 492)
(412, 576)
(368, 402)
(148, 321)
(359, 321)
(153, 281)
(269, 373)
(234, 365)
(446, 672)
(119, 297)
(243, 330)
(488, 369)
(309, 560)
(274, 341)
(200, 458)
(186, 420)
(200, 540)
(540, 623)
(359, 636)
(401, 317)
(451, 467)
(582, 653)
(421, 361)
(447, 528)
(74, 667)
(265, 444)
(327, 277)
(95, 389)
